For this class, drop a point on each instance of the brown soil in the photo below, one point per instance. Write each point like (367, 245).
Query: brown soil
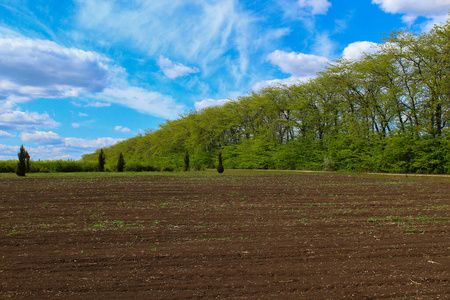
(297, 236)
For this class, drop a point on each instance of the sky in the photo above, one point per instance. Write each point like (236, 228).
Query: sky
(78, 75)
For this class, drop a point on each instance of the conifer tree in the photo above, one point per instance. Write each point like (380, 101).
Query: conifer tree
(21, 166)
(27, 162)
(186, 161)
(120, 163)
(101, 161)
(220, 168)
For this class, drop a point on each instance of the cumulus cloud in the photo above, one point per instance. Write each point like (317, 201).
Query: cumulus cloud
(302, 68)
(355, 51)
(18, 120)
(75, 125)
(174, 70)
(122, 129)
(42, 138)
(210, 103)
(298, 64)
(32, 68)
(436, 10)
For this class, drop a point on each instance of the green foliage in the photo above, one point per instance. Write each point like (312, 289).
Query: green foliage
(386, 112)
(101, 161)
(23, 164)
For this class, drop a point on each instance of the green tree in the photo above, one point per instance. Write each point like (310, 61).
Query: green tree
(186, 161)
(22, 166)
(120, 163)
(27, 162)
(220, 168)
(101, 161)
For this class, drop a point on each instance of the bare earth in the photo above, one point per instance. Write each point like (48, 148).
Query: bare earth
(276, 236)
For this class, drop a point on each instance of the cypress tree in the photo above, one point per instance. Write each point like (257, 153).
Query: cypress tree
(220, 168)
(21, 166)
(186, 161)
(27, 162)
(101, 161)
(120, 163)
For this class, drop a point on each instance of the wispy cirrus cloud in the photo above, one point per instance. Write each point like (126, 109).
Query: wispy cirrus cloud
(304, 8)
(208, 34)
(142, 100)
(98, 104)
(314, 7)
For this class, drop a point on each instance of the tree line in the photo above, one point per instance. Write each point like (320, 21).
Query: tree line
(385, 112)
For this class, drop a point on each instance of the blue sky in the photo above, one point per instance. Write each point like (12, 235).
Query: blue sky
(78, 75)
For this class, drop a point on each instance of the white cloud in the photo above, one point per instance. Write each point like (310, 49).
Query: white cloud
(32, 68)
(304, 9)
(174, 70)
(298, 64)
(8, 152)
(75, 125)
(356, 50)
(88, 144)
(4, 134)
(67, 148)
(122, 129)
(18, 120)
(210, 33)
(142, 100)
(98, 104)
(287, 81)
(210, 103)
(323, 45)
(435, 10)
(42, 138)
(314, 7)
(82, 114)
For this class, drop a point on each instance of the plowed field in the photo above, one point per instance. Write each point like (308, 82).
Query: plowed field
(236, 235)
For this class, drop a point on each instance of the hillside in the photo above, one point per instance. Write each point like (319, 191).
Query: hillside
(386, 112)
